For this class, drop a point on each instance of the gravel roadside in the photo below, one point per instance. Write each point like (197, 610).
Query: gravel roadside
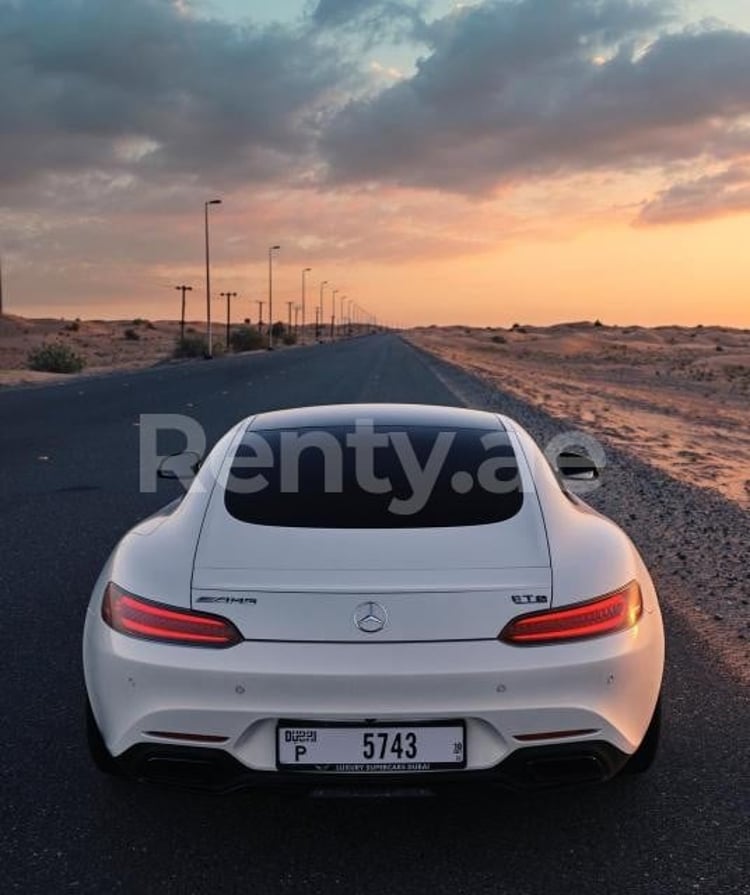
(695, 543)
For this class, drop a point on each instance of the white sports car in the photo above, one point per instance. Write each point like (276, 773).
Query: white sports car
(397, 593)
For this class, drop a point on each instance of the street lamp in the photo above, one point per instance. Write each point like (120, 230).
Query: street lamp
(209, 352)
(341, 314)
(333, 309)
(305, 271)
(271, 250)
(319, 320)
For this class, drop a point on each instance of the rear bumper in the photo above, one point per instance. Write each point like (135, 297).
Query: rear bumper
(214, 770)
(506, 695)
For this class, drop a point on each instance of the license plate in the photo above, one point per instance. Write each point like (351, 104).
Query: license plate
(370, 748)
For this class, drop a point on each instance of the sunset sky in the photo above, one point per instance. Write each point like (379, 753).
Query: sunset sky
(437, 162)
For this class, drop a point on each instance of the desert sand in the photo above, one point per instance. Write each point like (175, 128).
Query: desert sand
(102, 343)
(677, 398)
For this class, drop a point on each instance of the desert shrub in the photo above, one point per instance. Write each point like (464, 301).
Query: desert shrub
(73, 326)
(245, 338)
(190, 329)
(150, 325)
(139, 321)
(598, 322)
(131, 335)
(191, 346)
(54, 357)
(719, 347)
(278, 330)
(499, 340)
(289, 339)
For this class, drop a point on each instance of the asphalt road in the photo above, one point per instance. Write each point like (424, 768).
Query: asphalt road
(69, 488)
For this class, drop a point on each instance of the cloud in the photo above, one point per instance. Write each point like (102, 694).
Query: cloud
(702, 198)
(373, 19)
(78, 80)
(533, 89)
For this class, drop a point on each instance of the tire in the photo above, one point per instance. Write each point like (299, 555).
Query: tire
(643, 757)
(98, 751)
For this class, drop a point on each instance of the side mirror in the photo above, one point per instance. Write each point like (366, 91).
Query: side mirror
(578, 467)
(179, 466)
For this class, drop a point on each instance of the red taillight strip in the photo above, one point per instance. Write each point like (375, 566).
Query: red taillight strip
(613, 612)
(132, 626)
(148, 620)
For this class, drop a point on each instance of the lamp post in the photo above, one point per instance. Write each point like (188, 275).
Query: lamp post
(341, 314)
(271, 250)
(319, 315)
(260, 314)
(183, 289)
(305, 271)
(209, 352)
(334, 292)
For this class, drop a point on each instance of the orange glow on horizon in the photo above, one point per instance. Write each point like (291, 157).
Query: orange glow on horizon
(584, 269)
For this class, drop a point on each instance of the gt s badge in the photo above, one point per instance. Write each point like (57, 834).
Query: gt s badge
(525, 599)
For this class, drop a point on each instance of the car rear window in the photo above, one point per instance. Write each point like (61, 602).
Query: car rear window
(374, 477)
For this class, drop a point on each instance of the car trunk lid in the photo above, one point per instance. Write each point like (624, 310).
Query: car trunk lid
(336, 585)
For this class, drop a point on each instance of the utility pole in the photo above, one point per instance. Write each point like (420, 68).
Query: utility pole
(289, 305)
(1, 287)
(260, 314)
(182, 289)
(229, 296)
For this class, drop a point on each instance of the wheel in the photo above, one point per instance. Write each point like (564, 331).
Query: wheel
(98, 751)
(643, 757)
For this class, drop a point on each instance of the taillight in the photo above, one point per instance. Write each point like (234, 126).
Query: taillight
(153, 621)
(613, 612)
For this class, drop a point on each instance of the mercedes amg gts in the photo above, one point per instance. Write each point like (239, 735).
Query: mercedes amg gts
(375, 593)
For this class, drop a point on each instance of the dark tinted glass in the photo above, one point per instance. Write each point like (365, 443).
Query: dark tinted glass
(412, 478)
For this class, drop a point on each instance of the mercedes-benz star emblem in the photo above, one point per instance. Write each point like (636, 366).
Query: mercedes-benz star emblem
(370, 617)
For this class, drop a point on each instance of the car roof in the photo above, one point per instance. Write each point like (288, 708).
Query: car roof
(385, 414)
